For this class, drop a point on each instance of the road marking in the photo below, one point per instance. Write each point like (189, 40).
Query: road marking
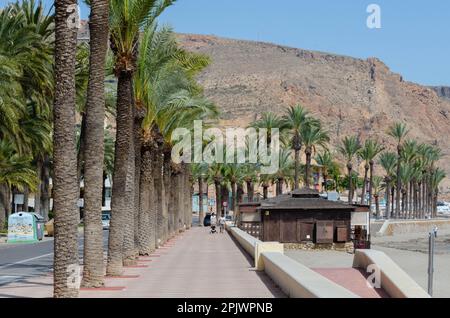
(25, 260)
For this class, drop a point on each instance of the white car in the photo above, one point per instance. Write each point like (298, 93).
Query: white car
(443, 207)
(105, 221)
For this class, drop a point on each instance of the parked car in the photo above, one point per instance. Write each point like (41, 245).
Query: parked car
(105, 221)
(229, 218)
(207, 220)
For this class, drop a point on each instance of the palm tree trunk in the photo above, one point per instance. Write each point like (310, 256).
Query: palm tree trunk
(393, 203)
(181, 202)
(4, 202)
(122, 212)
(94, 146)
(250, 192)
(26, 192)
(363, 196)
(147, 204)
(218, 199)
(38, 192)
(45, 192)
(201, 213)
(265, 191)
(81, 149)
(65, 181)
(350, 183)
(139, 115)
(189, 190)
(296, 168)
(169, 195)
(388, 196)
(159, 186)
(398, 188)
(371, 182)
(377, 206)
(104, 189)
(233, 196)
(308, 167)
(239, 192)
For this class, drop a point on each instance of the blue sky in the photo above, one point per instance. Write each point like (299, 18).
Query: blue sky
(413, 39)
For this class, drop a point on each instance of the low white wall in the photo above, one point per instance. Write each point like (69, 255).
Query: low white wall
(295, 279)
(298, 281)
(398, 227)
(247, 241)
(394, 280)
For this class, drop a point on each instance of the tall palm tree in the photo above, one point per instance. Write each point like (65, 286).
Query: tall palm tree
(265, 181)
(199, 172)
(388, 160)
(294, 120)
(216, 175)
(65, 182)
(368, 153)
(285, 170)
(127, 18)
(377, 187)
(325, 160)
(15, 171)
(94, 145)
(312, 136)
(165, 88)
(349, 148)
(233, 173)
(438, 176)
(398, 131)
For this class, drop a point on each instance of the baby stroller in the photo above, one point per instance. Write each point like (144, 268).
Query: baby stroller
(213, 229)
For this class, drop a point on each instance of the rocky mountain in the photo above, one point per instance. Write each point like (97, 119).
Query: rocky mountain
(350, 95)
(442, 91)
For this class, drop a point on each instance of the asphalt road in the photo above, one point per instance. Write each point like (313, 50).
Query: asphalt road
(18, 262)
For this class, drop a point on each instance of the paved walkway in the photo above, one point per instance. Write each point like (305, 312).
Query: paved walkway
(194, 264)
(353, 279)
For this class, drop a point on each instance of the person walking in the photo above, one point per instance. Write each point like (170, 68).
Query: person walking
(222, 223)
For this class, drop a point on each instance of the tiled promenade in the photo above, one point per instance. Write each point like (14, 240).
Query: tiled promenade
(194, 264)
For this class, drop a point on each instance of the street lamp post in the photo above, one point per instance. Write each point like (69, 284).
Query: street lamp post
(431, 240)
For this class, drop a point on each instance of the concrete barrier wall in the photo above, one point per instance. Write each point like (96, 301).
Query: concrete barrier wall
(295, 279)
(391, 228)
(247, 241)
(298, 281)
(394, 280)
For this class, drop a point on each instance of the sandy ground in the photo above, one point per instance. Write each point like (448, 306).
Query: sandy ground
(409, 251)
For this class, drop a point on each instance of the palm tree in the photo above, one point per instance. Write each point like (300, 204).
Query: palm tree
(377, 187)
(398, 131)
(284, 173)
(166, 90)
(325, 160)
(233, 173)
(349, 148)
(438, 176)
(127, 18)
(294, 120)
(215, 175)
(199, 173)
(94, 145)
(312, 136)
(265, 181)
(15, 171)
(367, 153)
(406, 174)
(65, 182)
(388, 160)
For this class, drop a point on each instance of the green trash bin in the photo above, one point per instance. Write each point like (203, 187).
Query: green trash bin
(25, 227)
(40, 226)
